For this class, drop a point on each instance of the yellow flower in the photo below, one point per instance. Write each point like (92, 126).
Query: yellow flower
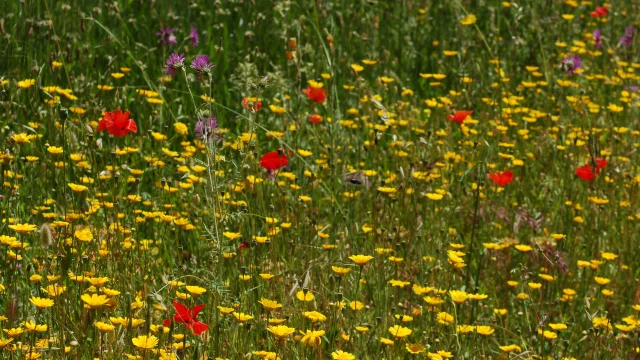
(231, 235)
(484, 330)
(104, 327)
(205, 98)
(22, 228)
(601, 322)
(312, 338)
(314, 316)
(41, 303)
(5, 342)
(510, 348)
(281, 331)
(534, 286)
(25, 84)
(305, 297)
(23, 138)
(523, 248)
(13, 332)
(558, 327)
(181, 128)
(277, 109)
(444, 318)
(341, 355)
(304, 153)
(270, 304)
(340, 270)
(360, 259)
(266, 276)
(33, 327)
(225, 310)
(94, 301)
(399, 331)
(469, 20)
(242, 317)
(387, 190)
(195, 290)
(54, 150)
(145, 342)
(414, 348)
(78, 188)
(458, 296)
(357, 68)
(83, 234)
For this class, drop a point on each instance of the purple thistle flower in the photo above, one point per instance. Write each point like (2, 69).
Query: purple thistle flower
(195, 39)
(571, 63)
(201, 63)
(627, 38)
(175, 61)
(166, 36)
(632, 88)
(597, 37)
(206, 129)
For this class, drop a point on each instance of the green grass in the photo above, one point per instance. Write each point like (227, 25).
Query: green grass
(383, 174)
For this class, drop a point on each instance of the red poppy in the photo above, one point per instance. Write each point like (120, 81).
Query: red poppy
(117, 123)
(252, 104)
(600, 11)
(244, 245)
(459, 116)
(501, 178)
(273, 160)
(587, 173)
(187, 316)
(315, 119)
(600, 163)
(315, 94)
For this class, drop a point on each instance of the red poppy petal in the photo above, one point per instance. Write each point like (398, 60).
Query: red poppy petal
(198, 328)
(181, 310)
(196, 310)
(273, 160)
(131, 126)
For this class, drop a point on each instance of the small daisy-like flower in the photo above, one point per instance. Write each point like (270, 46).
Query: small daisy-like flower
(145, 342)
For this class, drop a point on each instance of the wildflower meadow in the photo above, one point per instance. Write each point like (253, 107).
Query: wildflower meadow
(321, 179)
